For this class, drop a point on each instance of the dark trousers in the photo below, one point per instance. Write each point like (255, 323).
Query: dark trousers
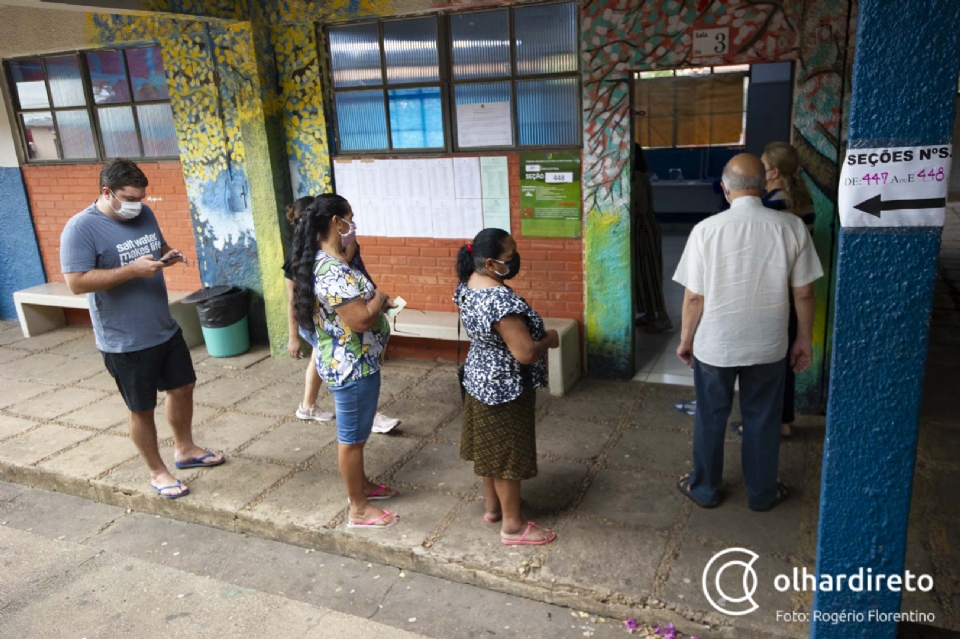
(761, 402)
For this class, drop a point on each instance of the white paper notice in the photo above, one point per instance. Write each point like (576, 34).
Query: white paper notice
(346, 180)
(467, 178)
(496, 213)
(485, 124)
(368, 178)
(394, 213)
(896, 186)
(494, 178)
(418, 174)
(442, 182)
(419, 218)
(446, 224)
(469, 218)
(371, 222)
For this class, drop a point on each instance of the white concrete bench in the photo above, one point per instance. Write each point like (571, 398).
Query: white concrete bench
(40, 309)
(563, 364)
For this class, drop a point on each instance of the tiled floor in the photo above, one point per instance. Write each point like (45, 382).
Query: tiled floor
(657, 353)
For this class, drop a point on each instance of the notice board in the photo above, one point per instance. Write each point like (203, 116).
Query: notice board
(550, 194)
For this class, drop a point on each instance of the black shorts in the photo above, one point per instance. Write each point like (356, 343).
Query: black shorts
(141, 374)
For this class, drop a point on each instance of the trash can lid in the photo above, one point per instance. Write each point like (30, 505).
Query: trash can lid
(208, 293)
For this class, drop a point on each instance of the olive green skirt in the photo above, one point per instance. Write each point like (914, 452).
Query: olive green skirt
(501, 440)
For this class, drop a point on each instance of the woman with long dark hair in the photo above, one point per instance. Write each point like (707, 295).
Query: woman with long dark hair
(505, 365)
(308, 409)
(345, 311)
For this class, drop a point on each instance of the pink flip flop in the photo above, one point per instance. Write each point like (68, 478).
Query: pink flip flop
(374, 523)
(523, 541)
(375, 495)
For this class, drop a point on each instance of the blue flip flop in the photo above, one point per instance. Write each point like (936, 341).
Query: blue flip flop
(186, 491)
(197, 462)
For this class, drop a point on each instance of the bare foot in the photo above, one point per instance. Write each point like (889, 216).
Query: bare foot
(171, 487)
(785, 430)
(492, 516)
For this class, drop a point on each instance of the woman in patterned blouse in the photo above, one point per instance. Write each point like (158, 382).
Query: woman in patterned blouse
(342, 306)
(505, 365)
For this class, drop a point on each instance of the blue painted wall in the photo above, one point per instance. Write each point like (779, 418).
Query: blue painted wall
(20, 263)
(904, 88)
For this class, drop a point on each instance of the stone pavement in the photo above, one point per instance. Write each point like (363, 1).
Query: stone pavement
(629, 545)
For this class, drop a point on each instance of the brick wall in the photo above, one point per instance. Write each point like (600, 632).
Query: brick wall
(423, 271)
(57, 193)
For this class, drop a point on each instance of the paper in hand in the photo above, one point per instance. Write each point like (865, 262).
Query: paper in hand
(399, 304)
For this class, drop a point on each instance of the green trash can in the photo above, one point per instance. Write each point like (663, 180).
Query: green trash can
(223, 319)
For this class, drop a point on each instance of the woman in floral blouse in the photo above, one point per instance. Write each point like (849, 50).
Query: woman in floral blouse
(342, 306)
(505, 365)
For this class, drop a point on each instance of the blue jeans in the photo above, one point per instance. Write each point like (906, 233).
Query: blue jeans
(761, 402)
(356, 404)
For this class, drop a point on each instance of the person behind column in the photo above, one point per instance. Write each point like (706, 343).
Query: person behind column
(308, 409)
(115, 253)
(648, 244)
(787, 191)
(346, 312)
(738, 269)
(505, 365)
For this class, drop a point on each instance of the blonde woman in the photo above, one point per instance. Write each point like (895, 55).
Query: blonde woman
(787, 191)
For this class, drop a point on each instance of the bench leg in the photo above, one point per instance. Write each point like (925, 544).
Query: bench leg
(563, 364)
(186, 316)
(37, 320)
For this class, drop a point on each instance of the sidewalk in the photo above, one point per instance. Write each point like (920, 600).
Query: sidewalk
(610, 453)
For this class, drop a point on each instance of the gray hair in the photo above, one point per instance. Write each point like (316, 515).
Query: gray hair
(737, 181)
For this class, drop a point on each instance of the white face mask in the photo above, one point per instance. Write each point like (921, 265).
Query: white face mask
(128, 210)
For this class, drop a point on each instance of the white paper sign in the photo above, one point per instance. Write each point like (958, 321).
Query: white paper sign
(486, 124)
(710, 42)
(895, 186)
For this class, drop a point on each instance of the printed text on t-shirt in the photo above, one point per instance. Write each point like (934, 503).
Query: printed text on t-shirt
(131, 250)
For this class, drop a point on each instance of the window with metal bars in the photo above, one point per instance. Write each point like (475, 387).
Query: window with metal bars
(405, 85)
(94, 105)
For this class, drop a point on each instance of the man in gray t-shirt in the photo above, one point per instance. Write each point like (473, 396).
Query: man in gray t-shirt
(115, 253)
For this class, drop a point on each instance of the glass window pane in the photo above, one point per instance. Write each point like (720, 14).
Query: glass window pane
(76, 135)
(361, 120)
(481, 44)
(355, 55)
(108, 77)
(416, 118)
(146, 74)
(410, 49)
(119, 133)
(157, 132)
(66, 87)
(41, 136)
(546, 38)
(483, 94)
(548, 112)
(27, 76)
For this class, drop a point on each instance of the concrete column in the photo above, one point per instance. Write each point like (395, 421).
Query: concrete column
(20, 262)
(904, 88)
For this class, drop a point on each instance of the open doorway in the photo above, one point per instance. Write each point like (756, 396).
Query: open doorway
(688, 123)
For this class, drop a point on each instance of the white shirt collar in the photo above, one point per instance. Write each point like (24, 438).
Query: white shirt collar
(746, 200)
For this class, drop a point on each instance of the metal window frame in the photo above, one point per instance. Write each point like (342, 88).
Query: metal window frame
(448, 85)
(91, 107)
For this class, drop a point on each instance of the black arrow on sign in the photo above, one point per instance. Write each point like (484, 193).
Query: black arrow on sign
(875, 205)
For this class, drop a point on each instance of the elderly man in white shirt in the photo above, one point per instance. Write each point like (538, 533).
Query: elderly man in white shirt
(738, 268)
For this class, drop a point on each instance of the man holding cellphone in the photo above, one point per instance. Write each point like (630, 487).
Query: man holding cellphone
(115, 253)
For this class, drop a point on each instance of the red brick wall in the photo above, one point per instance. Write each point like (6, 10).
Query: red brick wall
(57, 193)
(423, 272)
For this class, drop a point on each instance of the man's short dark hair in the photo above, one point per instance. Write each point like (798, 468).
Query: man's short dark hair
(118, 174)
